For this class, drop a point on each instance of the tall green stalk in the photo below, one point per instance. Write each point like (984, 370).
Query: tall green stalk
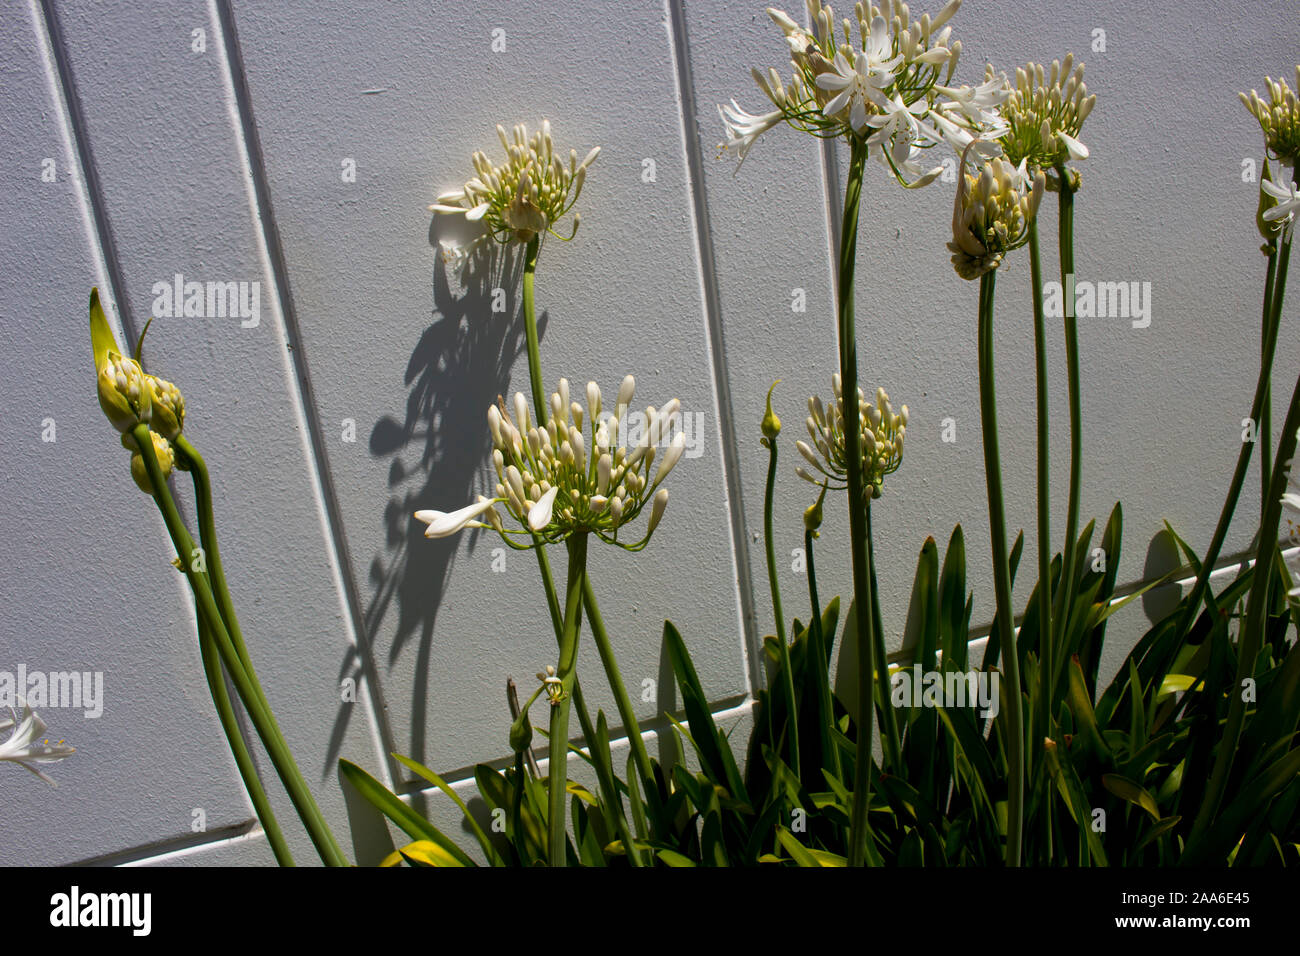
(1045, 649)
(530, 331)
(891, 738)
(243, 759)
(541, 410)
(1065, 595)
(557, 769)
(261, 715)
(1015, 738)
(825, 707)
(622, 700)
(783, 646)
(859, 831)
(198, 469)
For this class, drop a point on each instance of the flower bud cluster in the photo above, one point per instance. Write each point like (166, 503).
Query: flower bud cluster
(555, 478)
(991, 213)
(882, 432)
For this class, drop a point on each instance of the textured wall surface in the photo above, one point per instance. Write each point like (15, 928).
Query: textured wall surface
(297, 145)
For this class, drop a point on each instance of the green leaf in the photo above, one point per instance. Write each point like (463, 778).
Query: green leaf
(386, 802)
(1126, 789)
(489, 851)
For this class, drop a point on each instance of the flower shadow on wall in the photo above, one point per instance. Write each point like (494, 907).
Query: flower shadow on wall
(437, 451)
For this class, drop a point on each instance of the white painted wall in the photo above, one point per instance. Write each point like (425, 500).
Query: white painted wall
(164, 166)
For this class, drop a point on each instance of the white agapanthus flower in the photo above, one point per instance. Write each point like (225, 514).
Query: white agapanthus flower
(1283, 214)
(575, 472)
(27, 745)
(879, 77)
(522, 198)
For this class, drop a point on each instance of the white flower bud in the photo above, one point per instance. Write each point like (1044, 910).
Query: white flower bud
(593, 400)
(657, 509)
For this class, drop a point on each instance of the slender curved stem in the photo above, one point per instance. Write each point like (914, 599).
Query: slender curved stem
(825, 708)
(859, 831)
(262, 717)
(238, 747)
(557, 768)
(530, 332)
(783, 645)
(623, 701)
(891, 738)
(1065, 595)
(212, 553)
(198, 469)
(1045, 649)
(1015, 741)
(1266, 411)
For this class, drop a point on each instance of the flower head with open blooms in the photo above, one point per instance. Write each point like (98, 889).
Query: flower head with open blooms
(882, 430)
(27, 745)
(1045, 114)
(557, 479)
(991, 212)
(522, 198)
(1279, 118)
(877, 77)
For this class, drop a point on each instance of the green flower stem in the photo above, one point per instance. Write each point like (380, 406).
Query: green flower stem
(626, 712)
(557, 622)
(1266, 412)
(1065, 595)
(1275, 297)
(859, 828)
(198, 469)
(530, 332)
(787, 673)
(212, 555)
(243, 760)
(540, 409)
(1015, 740)
(825, 708)
(1045, 649)
(263, 719)
(557, 769)
(1252, 632)
(889, 733)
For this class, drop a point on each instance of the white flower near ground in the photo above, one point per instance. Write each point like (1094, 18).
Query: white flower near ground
(1288, 204)
(27, 745)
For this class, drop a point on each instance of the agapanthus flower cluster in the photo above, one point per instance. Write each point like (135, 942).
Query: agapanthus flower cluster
(575, 472)
(879, 76)
(1279, 118)
(991, 213)
(522, 198)
(1045, 113)
(882, 432)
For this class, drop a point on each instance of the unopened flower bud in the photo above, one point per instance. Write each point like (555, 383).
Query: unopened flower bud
(771, 424)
